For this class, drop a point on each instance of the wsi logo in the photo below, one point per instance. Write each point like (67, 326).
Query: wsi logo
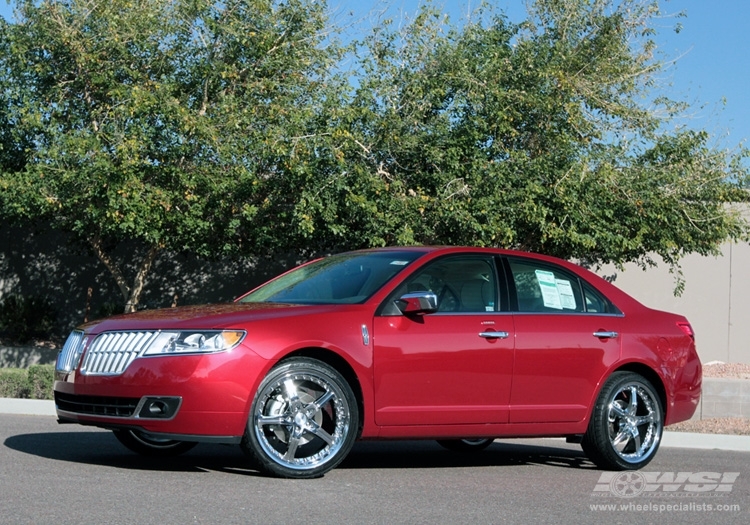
(631, 484)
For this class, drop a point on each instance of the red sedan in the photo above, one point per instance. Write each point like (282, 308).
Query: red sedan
(461, 345)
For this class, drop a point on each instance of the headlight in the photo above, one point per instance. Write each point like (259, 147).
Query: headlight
(189, 342)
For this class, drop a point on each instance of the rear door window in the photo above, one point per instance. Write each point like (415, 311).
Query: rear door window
(545, 288)
(542, 287)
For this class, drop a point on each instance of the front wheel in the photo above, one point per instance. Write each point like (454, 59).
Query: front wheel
(626, 425)
(303, 422)
(152, 445)
(466, 445)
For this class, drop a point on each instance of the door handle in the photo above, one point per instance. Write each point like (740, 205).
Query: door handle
(494, 335)
(605, 335)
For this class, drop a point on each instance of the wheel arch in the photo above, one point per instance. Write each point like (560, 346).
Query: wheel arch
(650, 374)
(342, 366)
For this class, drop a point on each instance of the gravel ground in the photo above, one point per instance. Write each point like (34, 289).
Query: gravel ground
(738, 426)
(728, 370)
(723, 425)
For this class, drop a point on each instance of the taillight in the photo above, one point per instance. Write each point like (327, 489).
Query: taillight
(685, 327)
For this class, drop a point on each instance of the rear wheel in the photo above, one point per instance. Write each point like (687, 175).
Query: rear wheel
(626, 425)
(466, 445)
(303, 421)
(151, 445)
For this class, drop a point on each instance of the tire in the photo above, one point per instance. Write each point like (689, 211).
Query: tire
(626, 425)
(150, 445)
(303, 421)
(466, 445)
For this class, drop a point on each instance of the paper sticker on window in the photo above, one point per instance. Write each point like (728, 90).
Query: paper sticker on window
(567, 298)
(548, 286)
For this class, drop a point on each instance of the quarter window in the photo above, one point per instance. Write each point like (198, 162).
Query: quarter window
(596, 302)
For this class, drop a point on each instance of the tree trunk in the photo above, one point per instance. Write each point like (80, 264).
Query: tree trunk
(131, 303)
(130, 294)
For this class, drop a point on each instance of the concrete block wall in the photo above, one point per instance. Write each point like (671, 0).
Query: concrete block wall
(724, 398)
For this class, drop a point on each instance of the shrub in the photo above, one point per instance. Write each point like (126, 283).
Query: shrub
(14, 382)
(33, 383)
(41, 379)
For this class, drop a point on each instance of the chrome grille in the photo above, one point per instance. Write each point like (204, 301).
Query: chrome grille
(68, 357)
(111, 352)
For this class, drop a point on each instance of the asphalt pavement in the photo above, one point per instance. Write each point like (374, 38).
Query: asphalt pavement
(68, 474)
(37, 407)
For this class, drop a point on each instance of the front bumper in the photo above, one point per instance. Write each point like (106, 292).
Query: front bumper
(202, 396)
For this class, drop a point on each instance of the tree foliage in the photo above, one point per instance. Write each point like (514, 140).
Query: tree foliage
(154, 121)
(534, 136)
(235, 128)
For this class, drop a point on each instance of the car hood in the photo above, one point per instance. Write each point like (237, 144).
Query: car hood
(202, 316)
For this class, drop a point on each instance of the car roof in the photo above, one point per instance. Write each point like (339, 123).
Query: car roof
(620, 297)
(440, 249)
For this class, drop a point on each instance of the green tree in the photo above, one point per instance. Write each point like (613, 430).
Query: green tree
(156, 122)
(235, 127)
(543, 135)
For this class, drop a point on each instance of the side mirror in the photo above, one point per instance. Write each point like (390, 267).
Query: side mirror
(417, 303)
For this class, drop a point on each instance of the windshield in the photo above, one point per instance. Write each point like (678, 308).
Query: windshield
(348, 278)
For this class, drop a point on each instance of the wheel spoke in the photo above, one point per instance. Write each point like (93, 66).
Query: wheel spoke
(618, 410)
(322, 434)
(292, 447)
(633, 408)
(290, 388)
(621, 438)
(273, 420)
(325, 398)
(637, 441)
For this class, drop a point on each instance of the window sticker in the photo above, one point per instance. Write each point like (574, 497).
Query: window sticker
(399, 263)
(548, 287)
(567, 298)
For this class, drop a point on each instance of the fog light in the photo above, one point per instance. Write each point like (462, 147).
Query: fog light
(159, 407)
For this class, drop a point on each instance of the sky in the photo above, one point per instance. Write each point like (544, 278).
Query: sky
(711, 54)
(709, 59)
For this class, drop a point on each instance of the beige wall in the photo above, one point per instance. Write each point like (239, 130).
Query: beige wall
(716, 299)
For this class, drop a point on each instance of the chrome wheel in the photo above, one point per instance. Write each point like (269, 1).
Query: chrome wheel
(303, 422)
(627, 423)
(634, 422)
